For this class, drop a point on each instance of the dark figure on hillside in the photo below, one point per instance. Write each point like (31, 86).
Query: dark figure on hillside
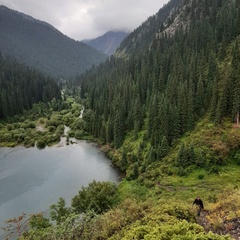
(199, 204)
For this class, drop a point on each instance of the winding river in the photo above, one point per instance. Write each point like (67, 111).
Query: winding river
(32, 179)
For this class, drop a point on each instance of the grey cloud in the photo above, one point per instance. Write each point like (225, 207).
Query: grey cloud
(82, 19)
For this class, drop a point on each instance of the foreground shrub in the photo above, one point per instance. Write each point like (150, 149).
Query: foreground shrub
(41, 144)
(98, 197)
(179, 230)
(59, 212)
(114, 220)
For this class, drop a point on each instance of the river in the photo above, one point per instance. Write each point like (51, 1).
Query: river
(32, 179)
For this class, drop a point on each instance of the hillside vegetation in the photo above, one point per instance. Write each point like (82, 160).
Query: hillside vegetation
(167, 104)
(158, 205)
(21, 87)
(165, 109)
(158, 95)
(41, 46)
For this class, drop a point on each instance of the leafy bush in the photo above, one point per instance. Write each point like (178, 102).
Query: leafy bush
(41, 144)
(201, 176)
(51, 128)
(64, 112)
(42, 120)
(53, 122)
(9, 127)
(214, 169)
(37, 221)
(59, 212)
(186, 156)
(27, 140)
(179, 230)
(28, 124)
(71, 133)
(51, 138)
(98, 197)
(182, 172)
(114, 220)
(78, 134)
(6, 137)
(237, 158)
(60, 129)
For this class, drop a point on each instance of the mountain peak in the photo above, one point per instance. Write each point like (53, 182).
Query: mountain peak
(108, 42)
(24, 16)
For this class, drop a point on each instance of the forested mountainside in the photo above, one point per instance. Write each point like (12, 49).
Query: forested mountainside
(21, 87)
(165, 87)
(165, 108)
(40, 45)
(107, 43)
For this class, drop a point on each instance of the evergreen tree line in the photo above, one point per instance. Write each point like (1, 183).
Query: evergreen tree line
(167, 88)
(21, 87)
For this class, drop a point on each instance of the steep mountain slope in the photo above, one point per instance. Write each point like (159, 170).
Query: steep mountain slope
(166, 109)
(142, 37)
(187, 67)
(107, 43)
(176, 74)
(38, 44)
(21, 87)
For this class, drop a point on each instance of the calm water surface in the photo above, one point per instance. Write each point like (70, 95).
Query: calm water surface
(31, 179)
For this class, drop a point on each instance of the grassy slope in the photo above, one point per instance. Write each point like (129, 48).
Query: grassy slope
(159, 205)
(217, 182)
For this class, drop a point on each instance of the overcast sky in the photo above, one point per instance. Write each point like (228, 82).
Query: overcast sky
(84, 19)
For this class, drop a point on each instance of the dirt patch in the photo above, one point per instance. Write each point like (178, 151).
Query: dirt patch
(40, 128)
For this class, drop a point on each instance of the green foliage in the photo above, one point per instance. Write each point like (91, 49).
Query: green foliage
(59, 212)
(132, 190)
(140, 106)
(98, 197)
(132, 172)
(164, 148)
(200, 176)
(180, 230)
(160, 91)
(41, 144)
(237, 157)
(44, 130)
(37, 221)
(186, 156)
(51, 128)
(22, 87)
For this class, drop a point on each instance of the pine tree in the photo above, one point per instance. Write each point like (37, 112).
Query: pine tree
(138, 115)
(235, 79)
(214, 100)
(118, 130)
(124, 162)
(200, 97)
(164, 148)
(152, 155)
(238, 16)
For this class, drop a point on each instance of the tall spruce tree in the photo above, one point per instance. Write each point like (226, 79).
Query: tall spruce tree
(235, 79)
